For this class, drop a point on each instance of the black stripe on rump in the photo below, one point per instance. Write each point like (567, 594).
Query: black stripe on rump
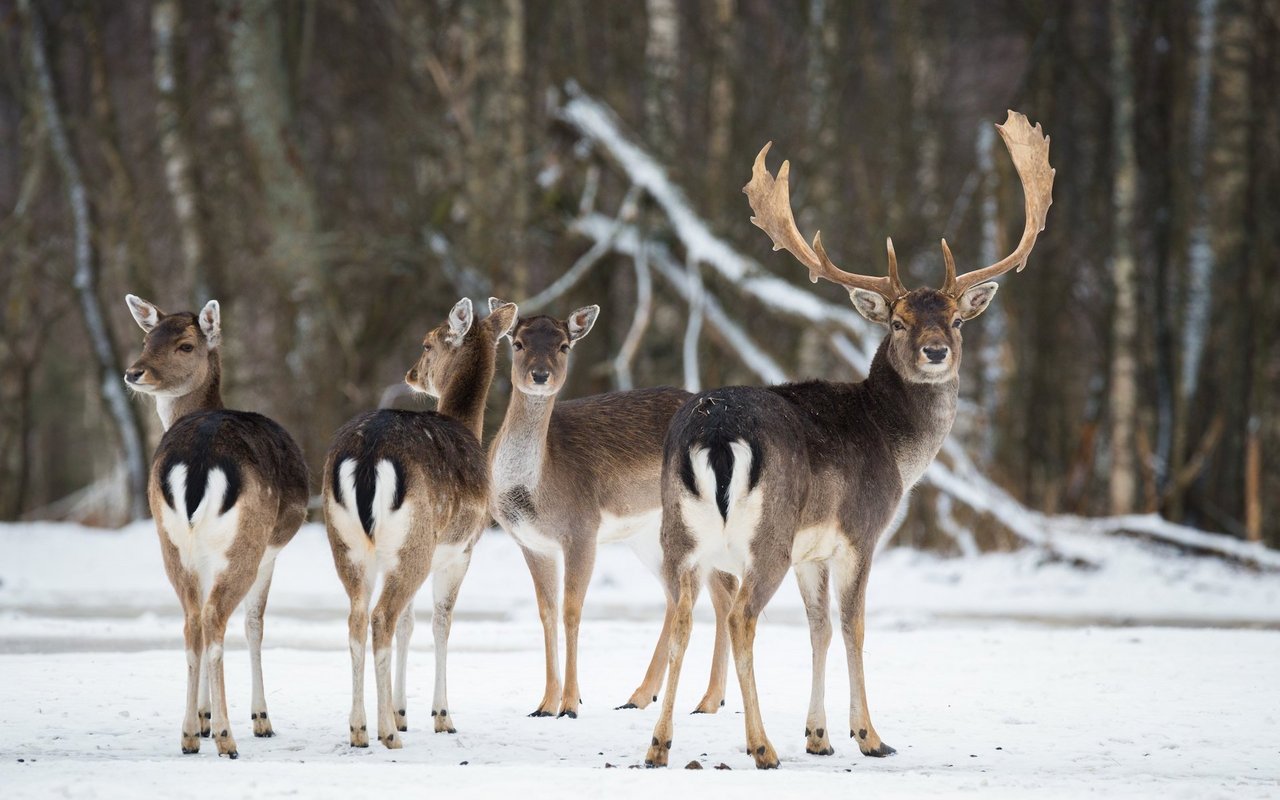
(199, 459)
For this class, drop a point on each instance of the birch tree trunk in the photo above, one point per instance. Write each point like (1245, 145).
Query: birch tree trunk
(720, 127)
(122, 412)
(1195, 328)
(517, 156)
(1123, 485)
(662, 64)
(260, 82)
(166, 20)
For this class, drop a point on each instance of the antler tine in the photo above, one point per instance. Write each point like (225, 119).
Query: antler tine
(770, 199)
(1029, 148)
(949, 285)
(894, 281)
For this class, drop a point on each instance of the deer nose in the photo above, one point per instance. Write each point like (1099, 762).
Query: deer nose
(412, 377)
(540, 376)
(936, 355)
(133, 375)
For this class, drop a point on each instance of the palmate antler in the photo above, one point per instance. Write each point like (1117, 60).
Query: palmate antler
(1029, 148)
(770, 199)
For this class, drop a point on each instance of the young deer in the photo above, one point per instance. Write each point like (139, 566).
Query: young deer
(567, 476)
(406, 494)
(228, 489)
(809, 474)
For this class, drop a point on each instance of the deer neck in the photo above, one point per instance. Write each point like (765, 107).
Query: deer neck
(205, 397)
(521, 444)
(463, 396)
(915, 417)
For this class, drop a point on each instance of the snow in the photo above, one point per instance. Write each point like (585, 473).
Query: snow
(998, 674)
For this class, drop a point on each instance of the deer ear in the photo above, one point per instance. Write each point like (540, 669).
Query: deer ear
(460, 319)
(580, 322)
(145, 314)
(211, 323)
(975, 300)
(871, 305)
(502, 317)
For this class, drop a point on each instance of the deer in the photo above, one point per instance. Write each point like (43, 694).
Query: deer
(570, 475)
(809, 475)
(227, 490)
(406, 495)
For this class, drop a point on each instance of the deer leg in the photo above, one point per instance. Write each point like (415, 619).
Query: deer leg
(191, 634)
(649, 687)
(812, 577)
(357, 579)
(681, 628)
(579, 562)
(255, 607)
(723, 587)
(543, 570)
(203, 707)
(213, 623)
(404, 632)
(852, 587)
(758, 585)
(398, 589)
(445, 585)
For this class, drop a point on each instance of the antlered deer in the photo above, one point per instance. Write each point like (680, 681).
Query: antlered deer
(228, 489)
(809, 474)
(406, 495)
(569, 475)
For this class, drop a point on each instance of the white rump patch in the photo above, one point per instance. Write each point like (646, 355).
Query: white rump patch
(380, 549)
(204, 540)
(724, 544)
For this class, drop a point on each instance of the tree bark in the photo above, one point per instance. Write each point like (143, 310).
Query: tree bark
(260, 81)
(166, 21)
(122, 412)
(1124, 390)
(662, 64)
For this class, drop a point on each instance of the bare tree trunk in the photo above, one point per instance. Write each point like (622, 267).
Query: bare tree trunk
(166, 19)
(662, 65)
(1124, 390)
(260, 82)
(86, 266)
(1195, 328)
(720, 127)
(517, 156)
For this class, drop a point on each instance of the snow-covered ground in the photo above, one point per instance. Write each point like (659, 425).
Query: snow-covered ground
(1000, 675)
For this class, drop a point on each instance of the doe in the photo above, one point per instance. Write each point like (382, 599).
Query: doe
(228, 490)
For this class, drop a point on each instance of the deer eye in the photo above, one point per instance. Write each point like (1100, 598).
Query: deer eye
(517, 346)
(426, 348)
(186, 348)
(898, 326)
(564, 348)
(957, 323)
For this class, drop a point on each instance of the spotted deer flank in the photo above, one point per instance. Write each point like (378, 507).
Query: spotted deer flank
(406, 495)
(228, 490)
(808, 475)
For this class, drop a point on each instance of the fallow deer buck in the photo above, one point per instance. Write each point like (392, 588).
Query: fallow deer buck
(406, 495)
(570, 475)
(228, 489)
(809, 474)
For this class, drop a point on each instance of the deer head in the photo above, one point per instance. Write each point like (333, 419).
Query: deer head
(179, 351)
(457, 343)
(925, 341)
(540, 348)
